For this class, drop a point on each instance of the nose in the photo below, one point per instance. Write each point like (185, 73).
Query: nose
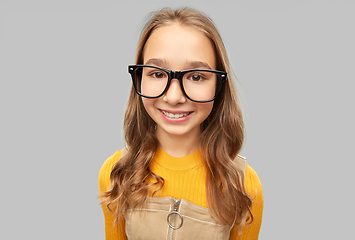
(174, 94)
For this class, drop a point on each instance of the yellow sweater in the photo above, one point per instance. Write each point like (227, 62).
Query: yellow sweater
(184, 178)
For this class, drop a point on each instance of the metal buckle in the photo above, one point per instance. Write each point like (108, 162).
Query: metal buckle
(168, 220)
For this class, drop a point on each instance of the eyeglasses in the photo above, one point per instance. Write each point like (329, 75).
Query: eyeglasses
(198, 85)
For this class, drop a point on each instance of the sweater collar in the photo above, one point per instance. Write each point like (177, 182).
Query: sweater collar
(177, 163)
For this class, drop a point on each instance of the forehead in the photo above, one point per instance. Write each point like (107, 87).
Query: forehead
(177, 45)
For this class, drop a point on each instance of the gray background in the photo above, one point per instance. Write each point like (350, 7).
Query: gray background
(64, 86)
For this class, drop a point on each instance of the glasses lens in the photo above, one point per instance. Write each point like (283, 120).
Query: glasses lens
(150, 81)
(201, 85)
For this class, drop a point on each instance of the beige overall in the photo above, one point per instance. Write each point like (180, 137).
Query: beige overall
(170, 218)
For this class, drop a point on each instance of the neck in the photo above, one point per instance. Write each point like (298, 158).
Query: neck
(178, 145)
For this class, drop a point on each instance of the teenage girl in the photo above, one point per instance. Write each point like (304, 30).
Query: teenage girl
(180, 175)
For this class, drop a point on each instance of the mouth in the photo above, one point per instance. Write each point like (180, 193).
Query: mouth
(175, 115)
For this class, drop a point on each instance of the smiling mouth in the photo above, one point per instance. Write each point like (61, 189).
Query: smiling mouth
(176, 115)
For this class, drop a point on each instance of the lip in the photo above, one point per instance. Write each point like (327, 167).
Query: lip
(175, 120)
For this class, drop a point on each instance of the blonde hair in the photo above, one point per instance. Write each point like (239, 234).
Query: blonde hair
(221, 138)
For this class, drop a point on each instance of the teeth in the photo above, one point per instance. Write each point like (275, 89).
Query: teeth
(177, 115)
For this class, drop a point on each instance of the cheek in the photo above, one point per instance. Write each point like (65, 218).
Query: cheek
(205, 109)
(149, 105)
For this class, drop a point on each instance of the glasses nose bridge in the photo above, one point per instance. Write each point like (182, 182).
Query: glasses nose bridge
(176, 75)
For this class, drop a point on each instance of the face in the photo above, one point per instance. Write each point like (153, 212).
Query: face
(178, 48)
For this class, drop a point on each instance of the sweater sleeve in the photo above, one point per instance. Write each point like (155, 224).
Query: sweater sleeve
(111, 231)
(254, 189)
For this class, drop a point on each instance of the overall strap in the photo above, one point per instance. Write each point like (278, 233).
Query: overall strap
(124, 151)
(241, 164)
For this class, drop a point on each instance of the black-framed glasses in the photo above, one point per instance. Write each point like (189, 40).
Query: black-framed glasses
(198, 85)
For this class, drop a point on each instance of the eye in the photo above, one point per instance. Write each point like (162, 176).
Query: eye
(157, 74)
(196, 77)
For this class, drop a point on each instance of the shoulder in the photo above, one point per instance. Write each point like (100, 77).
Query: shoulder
(252, 184)
(255, 191)
(105, 171)
(110, 162)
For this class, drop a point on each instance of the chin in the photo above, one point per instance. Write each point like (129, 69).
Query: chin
(180, 132)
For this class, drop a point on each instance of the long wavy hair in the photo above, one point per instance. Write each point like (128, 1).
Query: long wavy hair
(220, 141)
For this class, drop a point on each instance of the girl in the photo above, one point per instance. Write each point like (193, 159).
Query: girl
(180, 176)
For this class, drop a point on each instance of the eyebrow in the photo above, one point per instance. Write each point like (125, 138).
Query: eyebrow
(156, 62)
(198, 64)
(190, 65)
